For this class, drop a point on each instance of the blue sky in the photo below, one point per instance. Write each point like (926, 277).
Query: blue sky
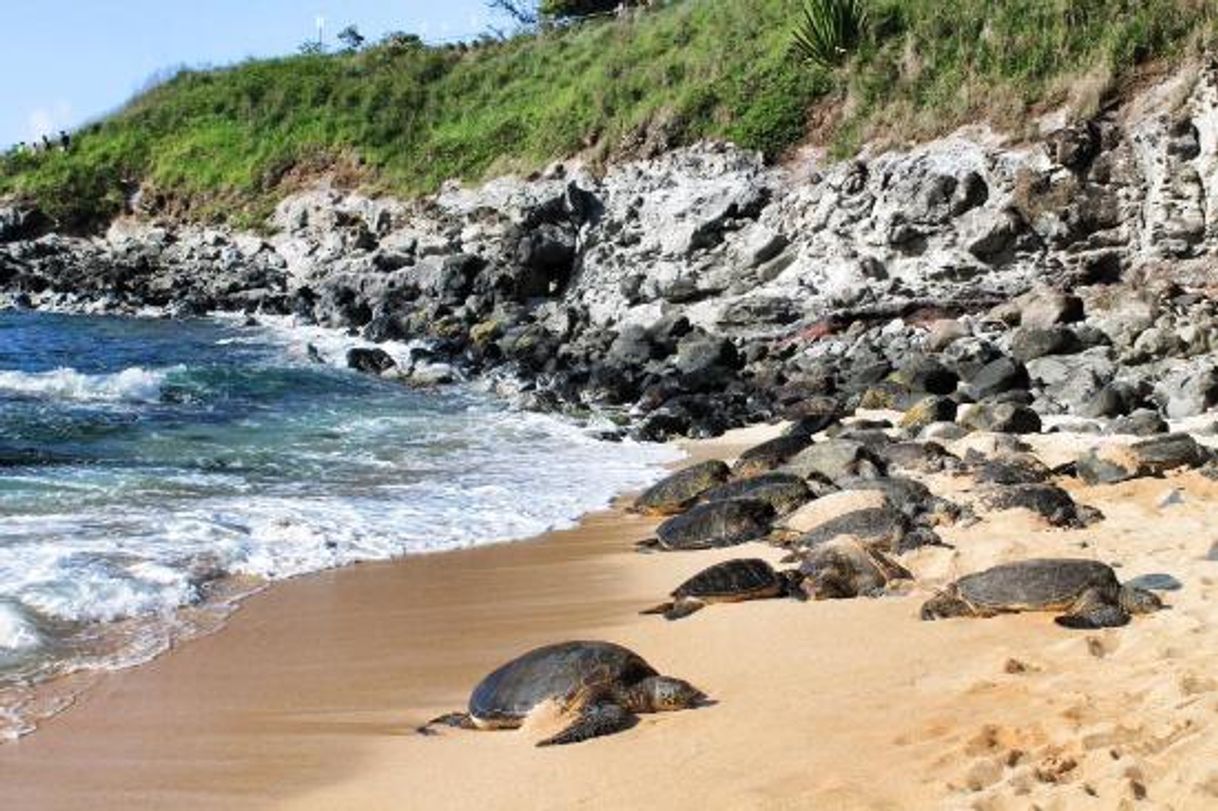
(64, 62)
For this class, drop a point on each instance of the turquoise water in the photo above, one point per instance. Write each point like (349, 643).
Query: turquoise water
(141, 461)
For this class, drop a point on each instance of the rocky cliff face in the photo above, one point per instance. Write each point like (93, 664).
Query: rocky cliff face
(703, 288)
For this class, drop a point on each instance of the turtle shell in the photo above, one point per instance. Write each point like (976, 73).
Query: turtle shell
(719, 523)
(1039, 584)
(748, 577)
(869, 524)
(508, 694)
(782, 491)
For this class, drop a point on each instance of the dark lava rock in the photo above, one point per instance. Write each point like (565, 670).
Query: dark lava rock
(1030, 343)
(371, 361)
(927, 375)
(1142, 422)
(927, 411)
(996, 377)
(682, 489)
(1002, 418)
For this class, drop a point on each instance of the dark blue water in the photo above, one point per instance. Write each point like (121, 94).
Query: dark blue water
(142, 462)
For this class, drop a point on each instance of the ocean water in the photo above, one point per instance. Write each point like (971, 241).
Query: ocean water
(147, 465)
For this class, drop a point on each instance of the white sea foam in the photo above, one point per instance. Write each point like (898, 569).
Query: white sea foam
(16, 632)
(134, 385)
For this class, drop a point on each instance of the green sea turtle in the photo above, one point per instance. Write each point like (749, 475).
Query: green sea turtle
(770, 454)
(603, 684)
(844, 568)
(883, 528)
(782, 491)
(732, 581)
(707, 526)
(677, 492)
(1086, 592)
(1014, 468)
(920, 457)
(1047, 500)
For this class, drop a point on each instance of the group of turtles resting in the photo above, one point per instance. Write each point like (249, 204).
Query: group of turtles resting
(784, 491)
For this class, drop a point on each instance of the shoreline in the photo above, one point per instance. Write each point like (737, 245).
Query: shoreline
(309, 697)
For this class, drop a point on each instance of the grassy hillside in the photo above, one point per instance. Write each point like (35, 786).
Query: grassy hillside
(226, 143)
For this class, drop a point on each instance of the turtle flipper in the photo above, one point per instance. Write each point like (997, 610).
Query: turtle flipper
(457, 720)
(683, 608)
(1091, 610)
(593, 721)
(648, 545)
(662, 608)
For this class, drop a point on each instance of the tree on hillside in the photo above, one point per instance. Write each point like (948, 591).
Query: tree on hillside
(351, 38)
(522, 11)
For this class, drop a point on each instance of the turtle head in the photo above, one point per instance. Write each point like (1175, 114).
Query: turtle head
(665, 694)
(1139, 601)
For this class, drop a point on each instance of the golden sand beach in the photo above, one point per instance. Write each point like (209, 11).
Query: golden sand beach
(309, 698)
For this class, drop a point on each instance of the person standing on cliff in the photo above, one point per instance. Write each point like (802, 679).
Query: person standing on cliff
(65, 140)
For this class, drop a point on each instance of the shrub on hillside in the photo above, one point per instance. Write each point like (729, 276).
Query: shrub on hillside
(830, 30)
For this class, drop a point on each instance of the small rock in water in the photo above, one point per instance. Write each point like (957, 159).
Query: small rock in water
(1156, 582)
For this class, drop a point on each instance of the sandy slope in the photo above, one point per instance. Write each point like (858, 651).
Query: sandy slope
(308, 699)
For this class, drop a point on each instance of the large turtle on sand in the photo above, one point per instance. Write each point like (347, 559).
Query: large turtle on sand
(732, 581)
(1086, 592)
(603, 684)
(782, 491)
(717, 524)
(675, 493)
(844, 568)
(882, 528)
(1046, 500)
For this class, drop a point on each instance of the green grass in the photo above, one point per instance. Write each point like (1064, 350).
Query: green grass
(225, 144)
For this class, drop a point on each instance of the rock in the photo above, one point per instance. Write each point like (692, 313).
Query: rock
(813, 415)
(1029, 343)
(770, 454)
(1191, 393)
(1002, 418)
(996, 377)
(631, 348)
(943, 333)
(835, 459)
(926, 375)
(1142, 422)
(371, 361)
(680, 490)
(928, 411)
(1048, 308)
(702, 353)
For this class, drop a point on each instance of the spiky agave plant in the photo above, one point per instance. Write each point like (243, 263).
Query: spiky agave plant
(830, 29)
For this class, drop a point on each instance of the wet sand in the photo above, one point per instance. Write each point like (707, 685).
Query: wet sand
(308, 699)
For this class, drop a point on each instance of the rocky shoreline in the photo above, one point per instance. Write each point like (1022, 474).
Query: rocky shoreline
(976, 284)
